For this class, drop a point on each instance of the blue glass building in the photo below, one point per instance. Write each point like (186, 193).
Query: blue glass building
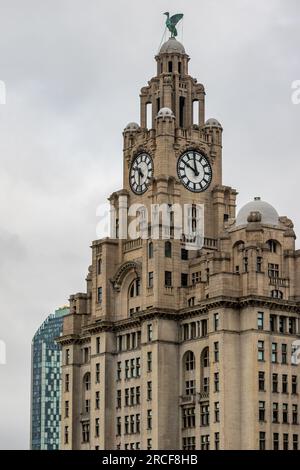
(46, 383)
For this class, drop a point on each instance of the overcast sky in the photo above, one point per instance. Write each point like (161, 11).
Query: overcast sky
(73, 70)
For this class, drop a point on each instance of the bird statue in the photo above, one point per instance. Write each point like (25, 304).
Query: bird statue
(171, 23)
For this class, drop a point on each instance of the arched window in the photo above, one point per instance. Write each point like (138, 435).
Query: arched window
(134, 289)
(99, 266)
(205, 357)
(150, 250)
(273, 246)
(168, 250)
(276, 294)
(189, 361)
(87, 381)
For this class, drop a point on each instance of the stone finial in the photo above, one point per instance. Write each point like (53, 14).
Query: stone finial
(254, 217)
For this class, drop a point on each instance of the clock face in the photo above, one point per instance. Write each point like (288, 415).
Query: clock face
(194, 171)
(141, 172)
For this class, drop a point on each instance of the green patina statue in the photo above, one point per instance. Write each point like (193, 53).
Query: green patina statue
(171, 23)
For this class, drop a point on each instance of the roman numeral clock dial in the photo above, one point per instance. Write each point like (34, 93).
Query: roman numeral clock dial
(194, 171)
(141, 172)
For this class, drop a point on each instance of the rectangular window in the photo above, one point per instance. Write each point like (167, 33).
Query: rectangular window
(98, 345)
(137, 423)
(119, 370)
(261, 411)
(196, 278)
(245, 264)
(189, 443)
(119, 428)
(138, 395)
(132, 422)
(168, 279)
(274, 352)
(87, 406)
(149, 332)
(132, 368)
(284, 383)
(184, 254)
(149, 390)
(217, 412)
(203, 327)
(216, 321)
(205, 442)
(205, 384)
(149, 444)
(262, 441)
(99, 295)
(285, 442)
(260, 321)
(284, 354)
(273, 270)
(259, 264)
(149, 361)
(261, 381)
(275, 383)
(261, 350)
(85, 432)
(184, 280)
(126, 396)
(67, 382)
(273, 322)
(275, 441)
(188, 418)
(294, 384)
(295, 413)
(67, 357)
(216, 351)
(204, 414)
(66, 409)
(66, 434)
(126, 421)
(282, 324)
(119, 398)
(190, 387)
(127, 369)
(149, 419)
(217, 440)
(97, 373)
(216, 381)
(292, 326)
(138, 367)
(132, 396)
(97, 400)
(295, 441)
(97, 427)
(285, 413)
(275, 413)
(150, 279)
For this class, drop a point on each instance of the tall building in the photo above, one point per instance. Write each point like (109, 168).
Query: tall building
(172, 348)
(46, 383)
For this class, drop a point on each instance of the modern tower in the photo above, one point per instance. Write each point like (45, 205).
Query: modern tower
(171, 348)
(46, 383)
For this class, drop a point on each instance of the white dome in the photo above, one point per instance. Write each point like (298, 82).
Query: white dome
(172, 46)
(269, 215)
(163, 112)
(132, 126)
(213, 123)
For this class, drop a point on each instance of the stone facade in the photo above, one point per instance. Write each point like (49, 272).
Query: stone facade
(169, 349)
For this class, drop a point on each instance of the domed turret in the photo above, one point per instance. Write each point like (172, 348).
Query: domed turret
(172, 46)
(268, 213)
(132, 127)
(213, 123)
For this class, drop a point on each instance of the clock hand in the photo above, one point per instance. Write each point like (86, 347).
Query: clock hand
(194, 170)
(195, 166)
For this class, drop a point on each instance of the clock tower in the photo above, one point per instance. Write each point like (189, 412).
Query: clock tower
(173, 348)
